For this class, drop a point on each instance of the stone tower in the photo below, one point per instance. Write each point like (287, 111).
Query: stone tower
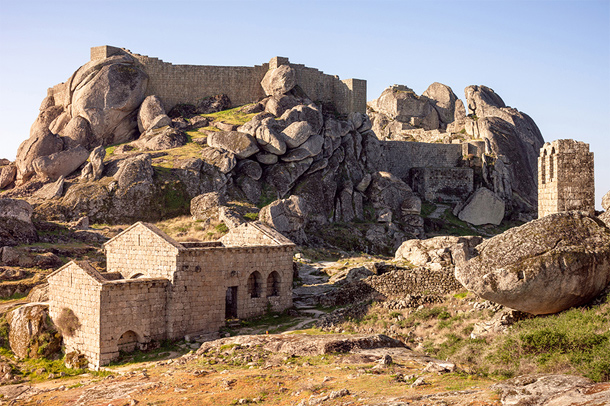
(565, 178)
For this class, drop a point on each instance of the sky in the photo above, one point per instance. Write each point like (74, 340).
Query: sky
(549, 59)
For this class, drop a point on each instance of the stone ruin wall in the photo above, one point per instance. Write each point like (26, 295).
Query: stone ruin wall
(141, 252)
(446, 184)
(137, 305)
(189, 83)
(76, 290)
(565, 178)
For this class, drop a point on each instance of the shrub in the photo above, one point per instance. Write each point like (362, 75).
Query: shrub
(67, 322)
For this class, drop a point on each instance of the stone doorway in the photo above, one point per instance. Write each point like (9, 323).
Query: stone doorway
(128, 341)
(231, 303)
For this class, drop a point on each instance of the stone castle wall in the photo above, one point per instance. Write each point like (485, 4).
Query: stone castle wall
(565, 178)
(443, 184)
(189, 83)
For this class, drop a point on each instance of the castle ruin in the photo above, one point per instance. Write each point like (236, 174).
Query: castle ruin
(157, 288)
(175, 84)
(565, 178)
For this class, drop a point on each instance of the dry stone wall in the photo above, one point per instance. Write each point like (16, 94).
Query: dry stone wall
(444, 184)
(565, 178)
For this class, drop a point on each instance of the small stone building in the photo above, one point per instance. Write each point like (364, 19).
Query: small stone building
(565, 178)
(157, 288)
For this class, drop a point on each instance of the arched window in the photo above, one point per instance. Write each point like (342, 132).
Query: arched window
(254, 284)
(552, 165)
(128, 341)
(543, 168)
(273, 284)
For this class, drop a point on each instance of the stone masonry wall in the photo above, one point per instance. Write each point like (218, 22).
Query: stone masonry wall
(398, 157)
(444, 184)
(397, 284)
(200, 286)
(76, 290)
(565, 177)
(189, 83)
(141, 252)
(137, 305)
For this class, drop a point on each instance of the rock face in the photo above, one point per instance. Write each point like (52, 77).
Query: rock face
(206, 206)
(510, 135)
(606, 201)
(94, 169)
(287, 216)
(556, 390)
(31, 330)
(15, 223)
(483, 207)
(542, 267)
(7, 175)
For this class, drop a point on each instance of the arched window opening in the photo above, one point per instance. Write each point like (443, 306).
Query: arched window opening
(254, 284)
(273, 284)
(551, 167)
(128, 341)
(136, 276)
(543, 168)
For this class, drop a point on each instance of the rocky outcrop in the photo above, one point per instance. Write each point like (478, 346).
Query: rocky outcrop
(157, 139)
(96, 106)
(288, 216)
(556, 390)
(7, 175)
(242, 145)
(482, 207)
(31, 334)
(16, 225)
(511, 136)
(205, 206)
(545, 266)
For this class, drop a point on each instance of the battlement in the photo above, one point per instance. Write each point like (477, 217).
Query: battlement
(175, 84)
(565, 177)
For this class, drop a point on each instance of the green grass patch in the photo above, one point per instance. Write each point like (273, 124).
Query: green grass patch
(14, 296)
(231, 116)
(427, 208)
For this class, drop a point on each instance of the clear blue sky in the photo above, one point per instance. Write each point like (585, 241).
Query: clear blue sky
(549, 59)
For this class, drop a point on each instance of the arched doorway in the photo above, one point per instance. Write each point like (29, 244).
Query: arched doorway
(128, 341)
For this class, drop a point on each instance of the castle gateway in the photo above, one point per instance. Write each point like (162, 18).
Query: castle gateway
(157, 288)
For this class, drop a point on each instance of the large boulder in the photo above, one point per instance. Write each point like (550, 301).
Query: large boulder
(7, 175)
(482, 207)
(605, 201)
(433, 252)
(31, 332)
(279, 81)
(269, 138)
(152, 115)
(443, 99)
(61, 163)
(157, 139)
(134, 170)
(402, 104)
(386, 190)
(223, 160)
(95, 167)
(545, 266)
(16, 225)
(309, 113)
(107, 96)
(297, 133)
(34, 147)
(288, 216)
(78, 132)
(241, 144)
(206, 206)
